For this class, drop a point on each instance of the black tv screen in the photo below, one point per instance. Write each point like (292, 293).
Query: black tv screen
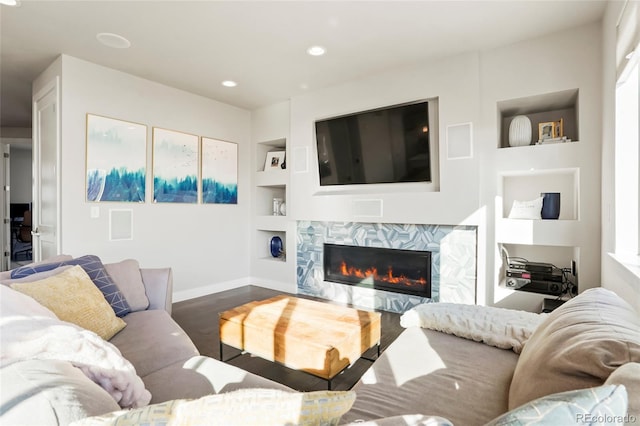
(384, 145)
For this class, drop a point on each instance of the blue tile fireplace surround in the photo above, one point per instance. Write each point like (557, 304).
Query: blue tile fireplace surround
(453, 261)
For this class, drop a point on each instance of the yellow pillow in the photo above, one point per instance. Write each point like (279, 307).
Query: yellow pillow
(255, 407)
(73, 297)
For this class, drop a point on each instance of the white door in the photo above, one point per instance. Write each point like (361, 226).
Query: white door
(5, 224)
(46, 172)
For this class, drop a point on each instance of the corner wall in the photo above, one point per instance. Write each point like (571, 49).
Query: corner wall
(206, 245)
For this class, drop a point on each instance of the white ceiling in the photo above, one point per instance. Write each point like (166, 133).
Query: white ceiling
(194, 45)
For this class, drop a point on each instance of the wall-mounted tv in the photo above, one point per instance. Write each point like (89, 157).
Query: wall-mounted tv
(384, 145)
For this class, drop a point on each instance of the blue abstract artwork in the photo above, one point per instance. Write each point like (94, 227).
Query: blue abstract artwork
(116, 160)
(175, 167)
(219, 172)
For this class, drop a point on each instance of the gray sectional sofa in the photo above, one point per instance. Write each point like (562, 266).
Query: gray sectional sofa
(424, 377)
(50, 392)
(590, 341)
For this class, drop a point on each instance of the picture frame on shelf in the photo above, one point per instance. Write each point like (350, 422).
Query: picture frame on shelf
(274, 160)
(546, 130)
(559, 128)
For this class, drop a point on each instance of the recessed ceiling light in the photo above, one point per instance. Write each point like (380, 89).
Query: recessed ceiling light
(10, 2)
(316, 51)
(113, 40)
(229, 83)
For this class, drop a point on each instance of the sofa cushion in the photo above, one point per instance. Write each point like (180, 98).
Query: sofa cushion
(126, 275)
(199, 376)
(578, 346)
(629, 376)
(96, 271)
(153, 340)
(603, 405)
(426, 371)
(39, 392)
(72, 297)
(263, 407)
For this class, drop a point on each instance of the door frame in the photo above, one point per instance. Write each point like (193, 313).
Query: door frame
(52, 86)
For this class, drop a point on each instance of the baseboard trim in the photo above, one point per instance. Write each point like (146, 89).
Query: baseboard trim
(286, 287)
(179, 296)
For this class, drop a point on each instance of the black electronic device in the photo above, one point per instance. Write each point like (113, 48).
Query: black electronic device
(516, 264)
(555, 275)
(516, 283)
(385, 145)
(539, 267)
(545, 287)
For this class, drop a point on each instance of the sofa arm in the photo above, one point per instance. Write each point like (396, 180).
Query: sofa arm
(158, 283)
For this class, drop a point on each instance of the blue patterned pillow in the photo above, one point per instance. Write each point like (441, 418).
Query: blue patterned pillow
(95, 269)
(603, 405)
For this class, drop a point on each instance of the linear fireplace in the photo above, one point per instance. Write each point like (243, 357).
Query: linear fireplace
(395, 270)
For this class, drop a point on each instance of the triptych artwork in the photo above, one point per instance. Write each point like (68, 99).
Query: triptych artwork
(186, 168)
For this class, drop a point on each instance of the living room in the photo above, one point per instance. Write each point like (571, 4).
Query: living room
(470, 88)
(462, 214)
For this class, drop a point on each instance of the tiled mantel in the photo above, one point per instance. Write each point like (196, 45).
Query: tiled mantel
(453, 269)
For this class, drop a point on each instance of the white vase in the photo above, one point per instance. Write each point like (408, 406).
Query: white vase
(520, 131)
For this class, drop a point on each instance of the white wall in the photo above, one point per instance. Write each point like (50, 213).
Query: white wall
(468, 88)
(206, 245)
(616, 276)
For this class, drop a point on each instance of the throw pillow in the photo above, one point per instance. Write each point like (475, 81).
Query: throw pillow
(578, 346)
(73, 298)
(126, 275)
(36, 277)
(263, 407)
(604, 405)
(13, 303)
(628, 375)
(96, 271)
(526, 209)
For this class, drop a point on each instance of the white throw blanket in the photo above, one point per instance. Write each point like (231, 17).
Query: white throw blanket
(43, 336)
(499, 327)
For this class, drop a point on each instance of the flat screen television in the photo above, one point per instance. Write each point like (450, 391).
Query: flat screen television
(384, 145)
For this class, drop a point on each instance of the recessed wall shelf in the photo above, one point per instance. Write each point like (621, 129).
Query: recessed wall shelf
(540, 109)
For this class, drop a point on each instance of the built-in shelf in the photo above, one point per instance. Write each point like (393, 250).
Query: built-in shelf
(549, 107)
(271, 223)
(527, 184)
(538, 232)
(526, 172)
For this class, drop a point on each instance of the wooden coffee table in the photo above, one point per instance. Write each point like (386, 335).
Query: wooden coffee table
(315, 337)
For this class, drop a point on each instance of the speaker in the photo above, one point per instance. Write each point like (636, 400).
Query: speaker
(300, 159)
(367, 208)
(120, 225)
(459, 141)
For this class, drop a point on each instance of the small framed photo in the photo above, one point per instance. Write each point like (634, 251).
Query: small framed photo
(546, 130)
(274, 160)
(559, 128)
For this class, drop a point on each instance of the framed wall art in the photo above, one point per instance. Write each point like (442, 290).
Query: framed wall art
(116, 160)
(219, 171)
(175, 166)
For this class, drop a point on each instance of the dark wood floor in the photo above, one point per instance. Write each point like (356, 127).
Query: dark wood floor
(199, 318)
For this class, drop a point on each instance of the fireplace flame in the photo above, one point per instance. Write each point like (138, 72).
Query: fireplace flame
(389, 277)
